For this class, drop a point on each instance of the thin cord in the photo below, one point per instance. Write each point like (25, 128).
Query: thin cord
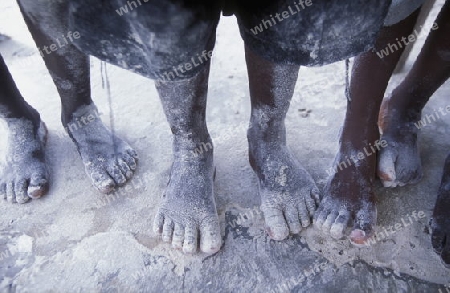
(106, 84)
(347, 80)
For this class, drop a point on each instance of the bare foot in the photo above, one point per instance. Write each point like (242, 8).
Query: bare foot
(23, 172)
(187, 215)
(349, 200)
(440, 224)
(108, 160)
(289, 195)
(399, 163)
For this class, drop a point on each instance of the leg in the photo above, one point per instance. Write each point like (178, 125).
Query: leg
(108, 160)
(400, 116)
(23, 173)
(188, 210)
(348, 197)
(288, 193)
(440, 225)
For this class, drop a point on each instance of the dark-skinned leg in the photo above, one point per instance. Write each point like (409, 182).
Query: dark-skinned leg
(187, 215)
(108, 160)
(399, 163)
(288, 193)
(440, 223)
(23, 172)
(348, 197)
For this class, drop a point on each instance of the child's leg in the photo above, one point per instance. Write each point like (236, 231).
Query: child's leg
(399, 163)
(108, 160)
(400, 116)
(23, 173)
(187, 214)
(348, 197)
(288, 193)
(440, 224)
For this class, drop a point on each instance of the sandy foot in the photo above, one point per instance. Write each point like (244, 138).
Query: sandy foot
(399, 163)
(108, 160)
(289, 196)
(349, 201)
(23, 172)
(187, 216)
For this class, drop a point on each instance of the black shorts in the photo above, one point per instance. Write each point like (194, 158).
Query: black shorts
(173, 39)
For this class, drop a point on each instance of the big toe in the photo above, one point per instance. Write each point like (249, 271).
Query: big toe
(386, 168)
(276, 225)
(38, 185)
(210, 238)
(101, 180)
(339, 226)
(363, 228)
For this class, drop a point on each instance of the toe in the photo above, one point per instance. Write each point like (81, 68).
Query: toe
(210, 238)
(131, 161)
(178, 237)
(311, 204)
(320, 218)
(102, 181)
(331, 218)
(158, 223)
(133, 153)
(21, 191)
(275, 223)
(167, 230)
(305, 215)
(315, 193)
(126, 170)
(293, 220)
(38, 185)
(10, 195)
(340, 224)
(386, 168)
(115, 173)
(190, 239)
(363, 228)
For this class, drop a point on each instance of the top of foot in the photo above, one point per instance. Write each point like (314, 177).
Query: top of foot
(108, 160)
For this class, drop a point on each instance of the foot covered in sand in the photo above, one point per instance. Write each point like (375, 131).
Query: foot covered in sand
(289, 195)
(187, 217)
(109, 161)
(399, 163)
(23, 171)
(349, 201)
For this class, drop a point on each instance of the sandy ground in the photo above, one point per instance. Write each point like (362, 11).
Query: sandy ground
(76, 240)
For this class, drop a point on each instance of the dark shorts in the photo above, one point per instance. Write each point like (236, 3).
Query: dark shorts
(173, 39)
